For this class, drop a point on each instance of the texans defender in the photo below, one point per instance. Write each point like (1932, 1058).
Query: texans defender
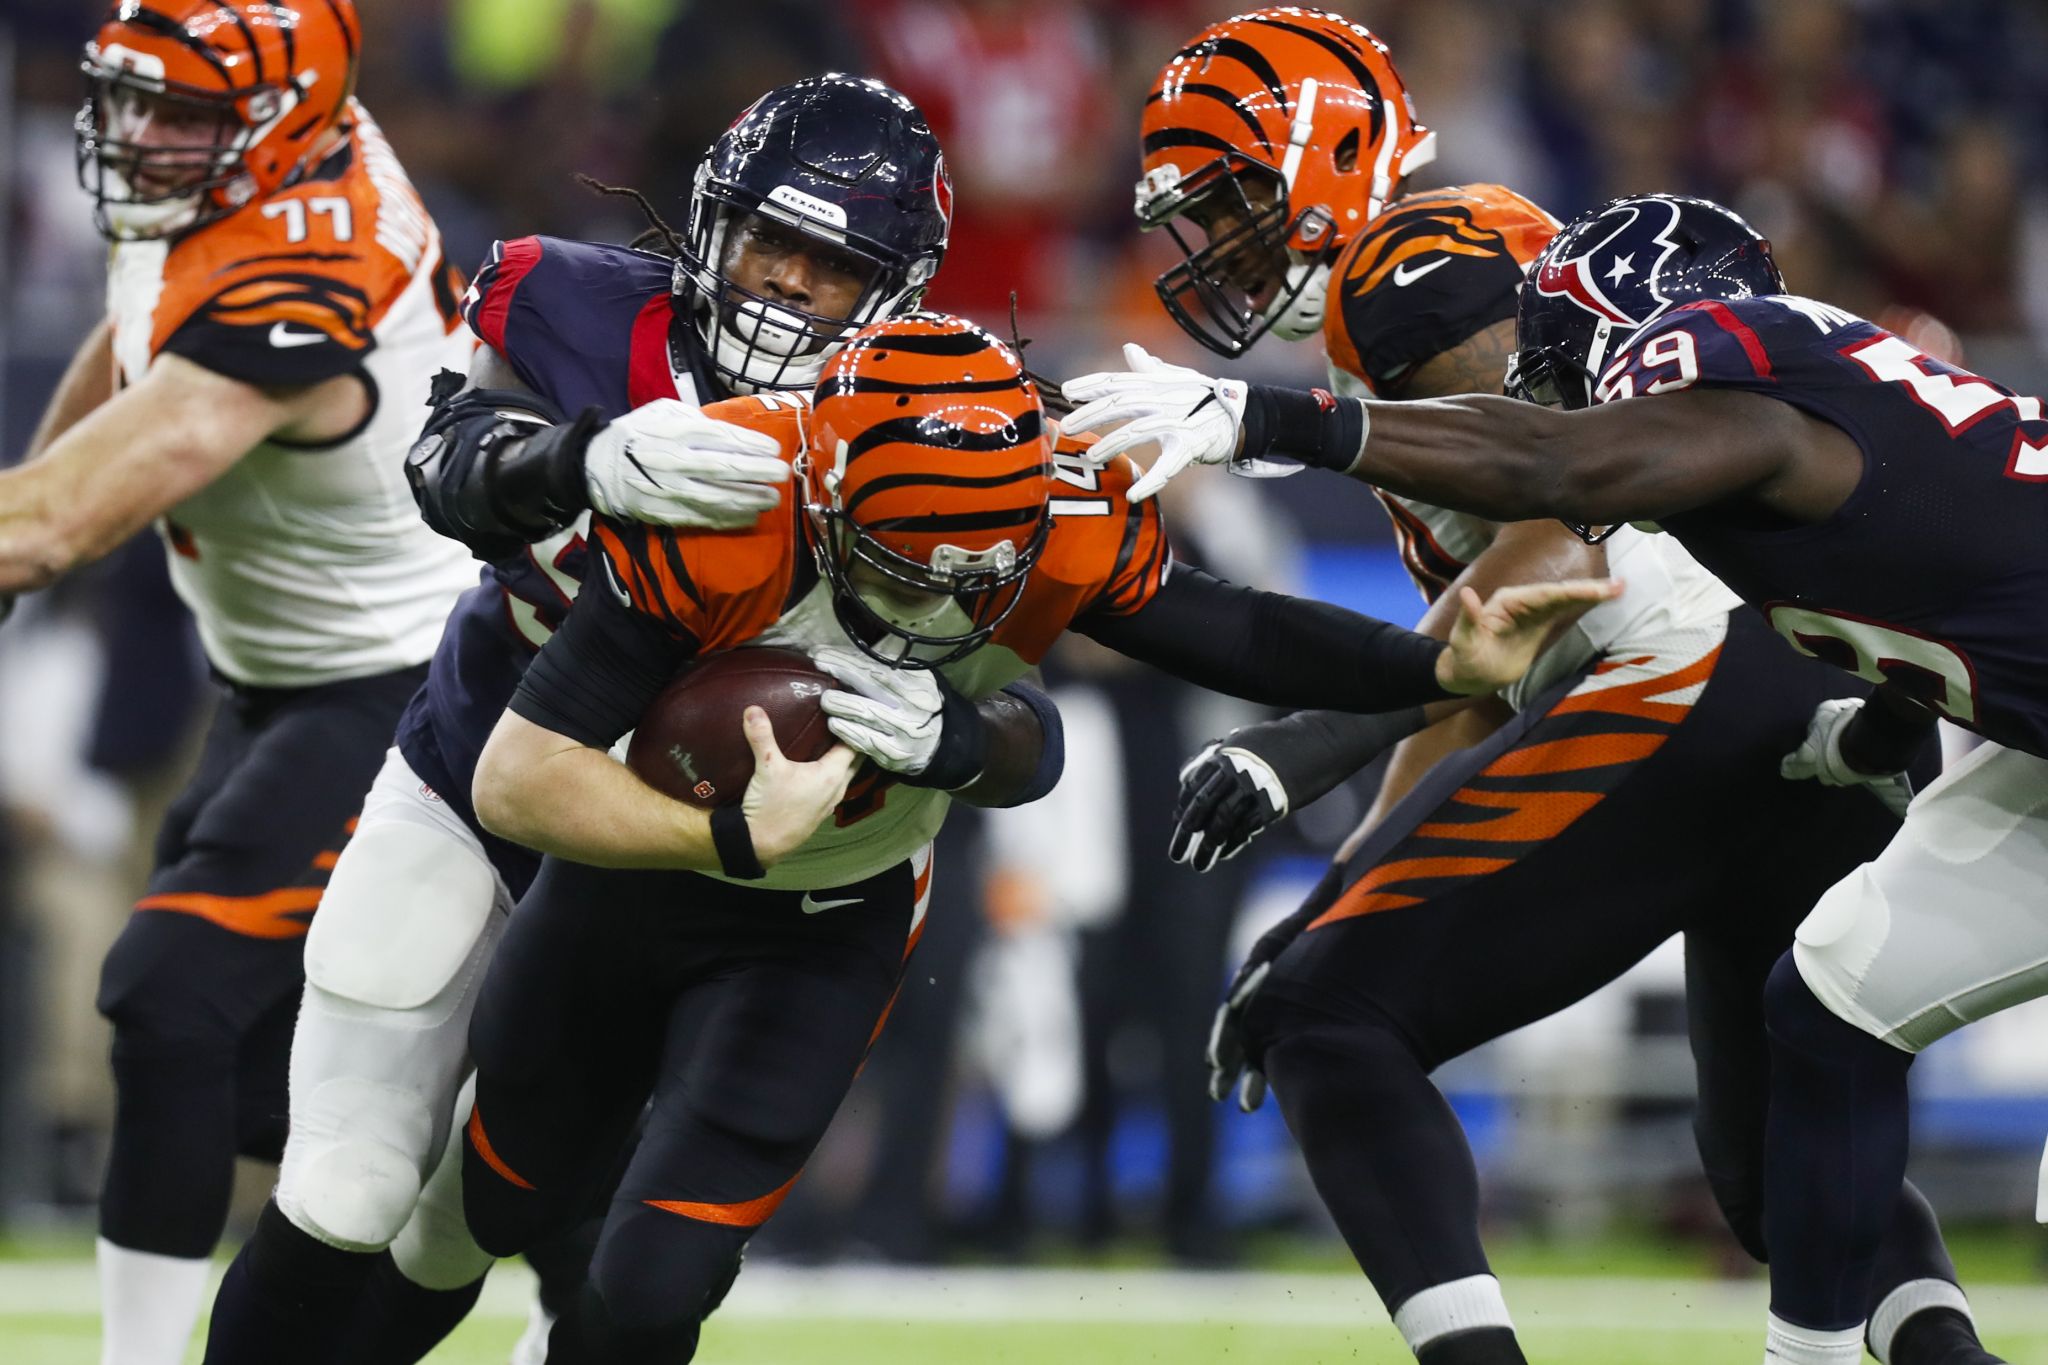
(277, 300)
(1885, 511)
(932, 550)
(583, 394)
(1648, 718)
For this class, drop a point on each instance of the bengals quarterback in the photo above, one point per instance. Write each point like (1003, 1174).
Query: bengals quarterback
(1515, 861)
(276, 299)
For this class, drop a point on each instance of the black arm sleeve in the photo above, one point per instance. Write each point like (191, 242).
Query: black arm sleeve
(1273, 649)
(594, 678)
(498, 468)
(1312, 751)
(1312, 425)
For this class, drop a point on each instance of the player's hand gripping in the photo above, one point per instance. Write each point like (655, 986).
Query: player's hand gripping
(1493, 642)
(1192, 418)
(909, 721)
(1227, 796)
(785, 801)
(894, 716)
(666, 462)
(1819, 757)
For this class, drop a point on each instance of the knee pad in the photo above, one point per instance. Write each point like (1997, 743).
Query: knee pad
(352, 1169)
(436, 1249)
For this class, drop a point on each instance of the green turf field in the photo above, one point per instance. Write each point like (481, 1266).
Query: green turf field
(1601, 1303)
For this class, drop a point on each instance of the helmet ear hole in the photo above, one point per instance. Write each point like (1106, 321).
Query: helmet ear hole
(1345, 158)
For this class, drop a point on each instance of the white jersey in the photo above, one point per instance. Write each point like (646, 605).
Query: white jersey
(1668, 590)
(308, 564)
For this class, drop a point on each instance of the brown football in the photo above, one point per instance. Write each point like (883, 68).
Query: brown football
(689, 743)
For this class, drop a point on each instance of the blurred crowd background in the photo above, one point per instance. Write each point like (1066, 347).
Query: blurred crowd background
(1041, 1084)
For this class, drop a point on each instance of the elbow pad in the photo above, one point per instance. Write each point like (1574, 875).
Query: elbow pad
(1052, 751)
(499, 469)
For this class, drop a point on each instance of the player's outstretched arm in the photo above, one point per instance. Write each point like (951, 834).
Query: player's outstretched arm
(1292, 652)
(1638, 460)
(1492, 456)
(557, 795)
(142, 452)
(498, 467)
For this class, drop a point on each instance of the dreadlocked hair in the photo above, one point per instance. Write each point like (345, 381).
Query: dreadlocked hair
(658, 236)
(1048, 391)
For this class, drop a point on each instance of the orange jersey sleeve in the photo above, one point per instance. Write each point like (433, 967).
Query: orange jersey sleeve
(1426, 275)
(291, 289)
(720, 588)
(1105, 553)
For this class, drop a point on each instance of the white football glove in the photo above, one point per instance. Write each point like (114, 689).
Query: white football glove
(892, 715)
(1190, 417)
(666, 462)
(1819, 757)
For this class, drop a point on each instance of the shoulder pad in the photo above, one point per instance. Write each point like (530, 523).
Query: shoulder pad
(564, 314)
(1426, 275)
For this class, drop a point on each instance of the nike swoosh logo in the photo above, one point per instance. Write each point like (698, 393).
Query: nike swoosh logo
(611, 581)
(1404, 276)
(282, 334)
(812, 907)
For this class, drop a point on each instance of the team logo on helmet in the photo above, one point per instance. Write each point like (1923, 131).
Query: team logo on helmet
(1629, 246)
(942, 194)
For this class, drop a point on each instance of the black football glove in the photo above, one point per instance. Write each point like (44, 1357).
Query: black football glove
(1253, 776)
(1227, 795)
(1227, 1065)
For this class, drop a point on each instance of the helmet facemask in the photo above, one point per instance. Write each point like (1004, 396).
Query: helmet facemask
(756, 340)
(1550, 376)
(908, 614)
(1239, 210)
(145, 188)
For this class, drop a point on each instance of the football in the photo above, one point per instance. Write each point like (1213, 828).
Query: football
(689, 744)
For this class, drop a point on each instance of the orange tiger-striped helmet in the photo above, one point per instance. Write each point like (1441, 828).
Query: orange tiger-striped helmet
(1278, 134)
(194, 108)
(925, 486)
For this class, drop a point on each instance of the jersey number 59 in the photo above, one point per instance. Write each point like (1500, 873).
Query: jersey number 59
(1926, 669)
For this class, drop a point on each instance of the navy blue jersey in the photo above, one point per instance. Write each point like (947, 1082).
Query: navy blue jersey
(1933, 575)
(584, 325)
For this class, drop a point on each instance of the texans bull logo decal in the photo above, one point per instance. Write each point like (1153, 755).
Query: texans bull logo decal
(1629, 248)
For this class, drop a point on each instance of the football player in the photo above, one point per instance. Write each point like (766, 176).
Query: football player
(1885, 512)
(582, 394)
(930, 551)
(277, 299)
(1273, 145)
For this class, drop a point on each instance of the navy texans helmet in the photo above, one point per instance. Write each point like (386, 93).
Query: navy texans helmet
(843, 167)
(1613, 269)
